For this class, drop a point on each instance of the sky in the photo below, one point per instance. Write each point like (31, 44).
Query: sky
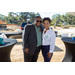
(4, 13)
(43, 14)
(49, 14)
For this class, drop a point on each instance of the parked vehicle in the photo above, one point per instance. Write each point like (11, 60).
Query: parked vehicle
(23, 25)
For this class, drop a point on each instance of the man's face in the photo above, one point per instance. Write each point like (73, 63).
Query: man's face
(38, 21)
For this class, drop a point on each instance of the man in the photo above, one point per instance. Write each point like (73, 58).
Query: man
(28, 21)
(32, 40)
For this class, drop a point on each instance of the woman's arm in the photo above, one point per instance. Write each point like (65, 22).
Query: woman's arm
(52, 44)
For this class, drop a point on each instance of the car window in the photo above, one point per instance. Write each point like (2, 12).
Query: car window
(23, 24)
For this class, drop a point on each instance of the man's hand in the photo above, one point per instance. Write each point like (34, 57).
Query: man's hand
(26, 50)
(49, 54)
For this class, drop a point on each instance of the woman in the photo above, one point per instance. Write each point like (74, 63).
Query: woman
(48, 42)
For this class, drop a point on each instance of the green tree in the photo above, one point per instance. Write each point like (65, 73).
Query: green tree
(11, 17)
(32, 16)
(37, 14)
(22, 16)
(68, 18)
(56, 17)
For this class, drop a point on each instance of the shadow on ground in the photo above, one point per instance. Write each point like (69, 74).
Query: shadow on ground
(16, 36)
(19, 43)
(57, 49)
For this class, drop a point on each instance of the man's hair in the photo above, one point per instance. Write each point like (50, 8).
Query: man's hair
(37, 17)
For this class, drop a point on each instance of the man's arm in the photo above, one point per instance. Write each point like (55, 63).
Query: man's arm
(25, 36)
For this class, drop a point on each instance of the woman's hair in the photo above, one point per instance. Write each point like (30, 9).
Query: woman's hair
(47, 18)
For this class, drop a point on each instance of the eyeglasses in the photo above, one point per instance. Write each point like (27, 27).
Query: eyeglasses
(39, 21)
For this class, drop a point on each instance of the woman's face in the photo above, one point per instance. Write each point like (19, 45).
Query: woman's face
(46, 24)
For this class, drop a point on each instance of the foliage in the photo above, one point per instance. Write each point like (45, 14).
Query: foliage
(21, 16)
(68, 18)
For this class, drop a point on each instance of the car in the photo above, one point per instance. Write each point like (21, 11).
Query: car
(23, 25)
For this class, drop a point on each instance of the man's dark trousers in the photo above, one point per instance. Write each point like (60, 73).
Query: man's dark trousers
(32, 58)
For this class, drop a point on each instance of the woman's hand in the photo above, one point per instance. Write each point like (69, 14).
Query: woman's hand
(49, 54)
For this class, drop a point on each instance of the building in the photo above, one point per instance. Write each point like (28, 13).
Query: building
(3, 22)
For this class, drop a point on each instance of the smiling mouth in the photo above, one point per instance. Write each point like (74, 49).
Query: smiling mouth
(38, 24)
(46, 26)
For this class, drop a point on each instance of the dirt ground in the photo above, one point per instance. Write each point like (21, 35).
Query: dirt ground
(59, 52)
(17, 52)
